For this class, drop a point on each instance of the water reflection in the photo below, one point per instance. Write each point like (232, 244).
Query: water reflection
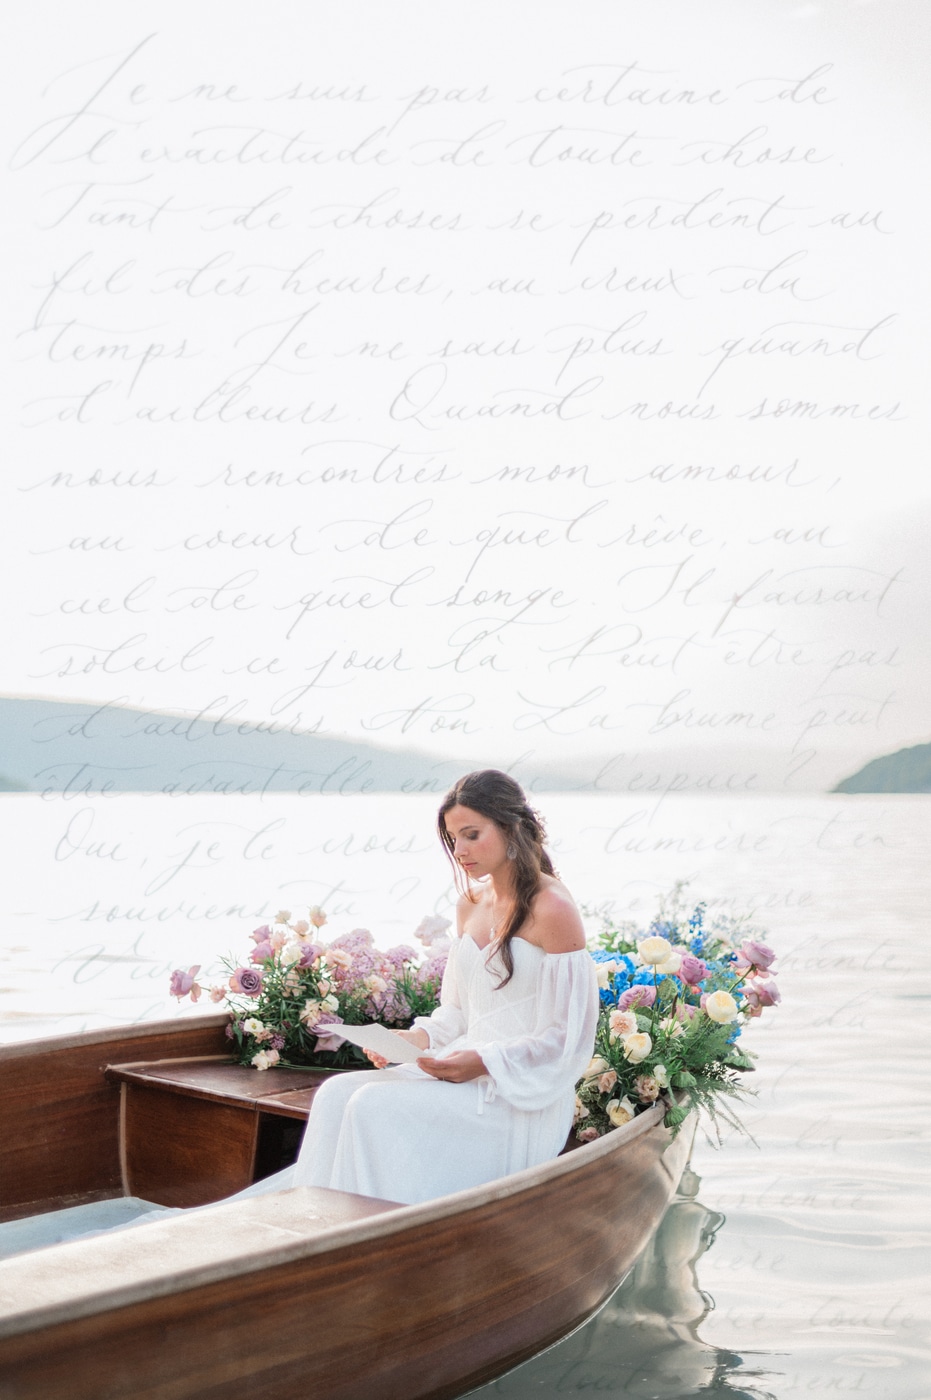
(645, 1341)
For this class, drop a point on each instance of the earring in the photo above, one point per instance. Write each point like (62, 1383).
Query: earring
(512, 850)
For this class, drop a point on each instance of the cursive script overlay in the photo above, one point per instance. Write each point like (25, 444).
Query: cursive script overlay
(403, 392)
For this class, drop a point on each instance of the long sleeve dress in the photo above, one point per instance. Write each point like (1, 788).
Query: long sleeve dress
(401, 1135)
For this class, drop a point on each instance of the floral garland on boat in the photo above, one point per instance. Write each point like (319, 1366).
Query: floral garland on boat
(675, 999)
(294, 986)
(674, 1002)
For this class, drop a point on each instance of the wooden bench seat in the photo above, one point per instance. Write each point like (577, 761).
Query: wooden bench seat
(195, 1130)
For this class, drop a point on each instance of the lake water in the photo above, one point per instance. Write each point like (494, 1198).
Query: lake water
(794, 1264)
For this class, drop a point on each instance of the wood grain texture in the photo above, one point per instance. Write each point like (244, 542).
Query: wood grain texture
(59, 1119)
(216, 1079)
(421, 1313)
(180, 1151)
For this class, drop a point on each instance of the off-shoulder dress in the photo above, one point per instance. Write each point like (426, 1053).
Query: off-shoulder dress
(401, 1135)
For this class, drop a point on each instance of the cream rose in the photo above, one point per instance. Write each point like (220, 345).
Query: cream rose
(621, 1023)
(620, 1111)
(636, 1047)
(595, 1067)
(654, 950)
(670, 966)
(605, 972)
(721, 1007)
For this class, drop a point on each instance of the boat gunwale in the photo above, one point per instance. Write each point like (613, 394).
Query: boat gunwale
(103, 1035)
(19, 1321)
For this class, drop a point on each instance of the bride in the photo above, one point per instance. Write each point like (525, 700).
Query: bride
(494, 1090)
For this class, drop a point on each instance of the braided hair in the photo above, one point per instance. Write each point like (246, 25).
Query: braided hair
(500, 798)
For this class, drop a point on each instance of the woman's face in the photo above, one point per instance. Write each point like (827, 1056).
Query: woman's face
(479, 844)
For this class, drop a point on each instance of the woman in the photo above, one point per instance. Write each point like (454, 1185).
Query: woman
(494, 1090)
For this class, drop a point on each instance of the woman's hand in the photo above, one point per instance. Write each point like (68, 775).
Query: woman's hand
(417, 1038)
(457, 1068)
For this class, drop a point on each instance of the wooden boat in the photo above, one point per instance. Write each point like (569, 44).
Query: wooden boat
(300, 1293)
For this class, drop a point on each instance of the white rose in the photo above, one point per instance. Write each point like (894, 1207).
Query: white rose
(252, 1025)
(605, 972)
(636, 1047)
(291, 953)
(620, 1111)
(721, 1007)
(671, 966)
(330, 1003)
(654, 950)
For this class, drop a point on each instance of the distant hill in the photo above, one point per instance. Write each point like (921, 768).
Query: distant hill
(908, 770)
(62, 745)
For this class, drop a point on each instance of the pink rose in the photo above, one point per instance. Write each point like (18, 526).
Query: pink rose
(606, 1081)
(693, 969)
(754, 954)
(588, 1135)
(260, 935)
(246, 981)
(183, 982)
(636, 996)
(261, 951)
(762, 992)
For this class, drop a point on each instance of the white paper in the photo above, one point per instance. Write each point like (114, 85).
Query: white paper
(381, 1040)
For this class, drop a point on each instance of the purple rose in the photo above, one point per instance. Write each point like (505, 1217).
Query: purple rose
(636, 996)
(327, 1043)
(247, 981)
(309, 954)
(692, 970)
(755, 954)
(183, 982)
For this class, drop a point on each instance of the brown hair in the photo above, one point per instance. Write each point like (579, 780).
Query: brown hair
(497, 796)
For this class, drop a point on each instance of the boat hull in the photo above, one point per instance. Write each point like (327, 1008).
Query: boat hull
(421, 1303)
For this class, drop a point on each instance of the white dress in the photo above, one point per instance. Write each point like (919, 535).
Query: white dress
(401, 1135)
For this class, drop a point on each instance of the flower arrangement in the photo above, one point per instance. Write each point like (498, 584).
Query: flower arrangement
(674, 1001)
(293, 986)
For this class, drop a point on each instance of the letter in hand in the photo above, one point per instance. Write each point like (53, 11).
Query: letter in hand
(417, 1037)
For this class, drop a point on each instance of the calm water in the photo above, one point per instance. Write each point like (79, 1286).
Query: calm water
(795, 1264)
